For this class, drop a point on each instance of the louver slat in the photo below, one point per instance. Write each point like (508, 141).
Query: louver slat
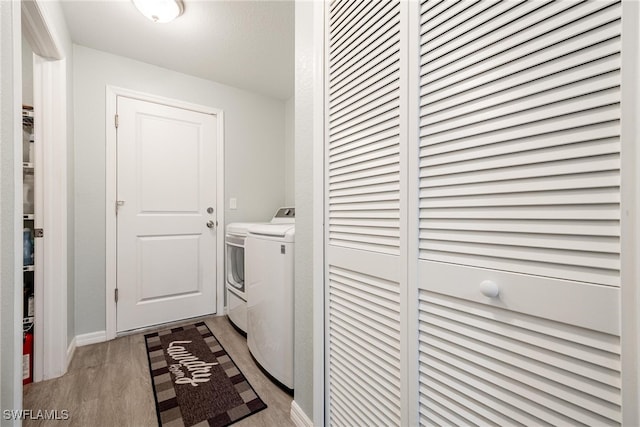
(551, 24)
(364, 349)
(364, 124)
(553, 55)
(520, 115)
(514, 368)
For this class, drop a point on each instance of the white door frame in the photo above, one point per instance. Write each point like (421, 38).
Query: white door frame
(319, 129)
(11, 208)
(50, 110)
(112, 93)
(630, 215)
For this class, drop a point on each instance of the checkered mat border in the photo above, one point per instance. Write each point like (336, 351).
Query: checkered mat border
(170, 407)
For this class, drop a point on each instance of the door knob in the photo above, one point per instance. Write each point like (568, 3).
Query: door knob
(489, 289)
(211, 224)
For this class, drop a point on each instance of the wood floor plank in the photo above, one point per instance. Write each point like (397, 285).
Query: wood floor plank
(108, 385)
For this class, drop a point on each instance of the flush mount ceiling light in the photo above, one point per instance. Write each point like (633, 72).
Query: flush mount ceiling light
(160, 11)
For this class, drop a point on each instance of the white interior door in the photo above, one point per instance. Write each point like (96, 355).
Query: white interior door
(514, 211)
(166, 218)
(520, 187)
(365, 161)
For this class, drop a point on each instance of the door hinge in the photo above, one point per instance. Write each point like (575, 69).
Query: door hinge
(118, 204)
(115, 121)
(115, 296)
(38, 232)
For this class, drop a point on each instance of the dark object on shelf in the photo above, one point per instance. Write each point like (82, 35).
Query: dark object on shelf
(27, 358)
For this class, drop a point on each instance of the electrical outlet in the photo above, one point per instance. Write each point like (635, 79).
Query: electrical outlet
(233, 203)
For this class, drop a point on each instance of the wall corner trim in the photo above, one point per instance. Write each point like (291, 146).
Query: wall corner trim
(71, 351)
(90, 338)
(299, 418)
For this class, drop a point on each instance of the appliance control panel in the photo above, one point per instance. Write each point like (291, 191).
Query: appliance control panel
(285, 213)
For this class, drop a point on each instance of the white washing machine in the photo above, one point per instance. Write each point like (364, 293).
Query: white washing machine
(269, 250)
(235, 237)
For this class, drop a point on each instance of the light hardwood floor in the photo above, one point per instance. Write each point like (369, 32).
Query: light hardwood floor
(108, 384)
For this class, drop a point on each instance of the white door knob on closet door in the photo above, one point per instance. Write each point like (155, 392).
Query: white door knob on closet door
(489, 289)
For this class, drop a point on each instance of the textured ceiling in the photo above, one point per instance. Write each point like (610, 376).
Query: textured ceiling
(246, 44)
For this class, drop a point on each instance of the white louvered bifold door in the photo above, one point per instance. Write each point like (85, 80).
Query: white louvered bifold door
(519, 185)
(363, 161)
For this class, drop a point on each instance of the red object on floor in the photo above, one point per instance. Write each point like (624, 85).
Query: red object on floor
(27, 358)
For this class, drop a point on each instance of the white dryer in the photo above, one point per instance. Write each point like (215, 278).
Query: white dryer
(269, 251)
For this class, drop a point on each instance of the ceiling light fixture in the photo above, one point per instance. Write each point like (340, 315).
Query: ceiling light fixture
(160, 11)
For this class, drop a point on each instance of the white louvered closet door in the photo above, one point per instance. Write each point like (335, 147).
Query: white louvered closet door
(363, 160)
(519, 185)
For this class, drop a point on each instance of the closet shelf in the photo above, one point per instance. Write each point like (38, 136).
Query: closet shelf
(27, 115)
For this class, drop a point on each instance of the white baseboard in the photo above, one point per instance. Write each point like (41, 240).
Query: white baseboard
(91, 338)
(298, 416)
(71, 349)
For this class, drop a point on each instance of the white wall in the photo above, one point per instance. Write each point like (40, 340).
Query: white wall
(306, 212)
(289, 153)
(254, 157)
(10, 207)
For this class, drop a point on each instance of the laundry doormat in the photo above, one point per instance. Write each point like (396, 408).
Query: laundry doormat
(195, 382)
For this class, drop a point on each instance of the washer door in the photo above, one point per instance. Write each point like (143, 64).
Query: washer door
(235, 264)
